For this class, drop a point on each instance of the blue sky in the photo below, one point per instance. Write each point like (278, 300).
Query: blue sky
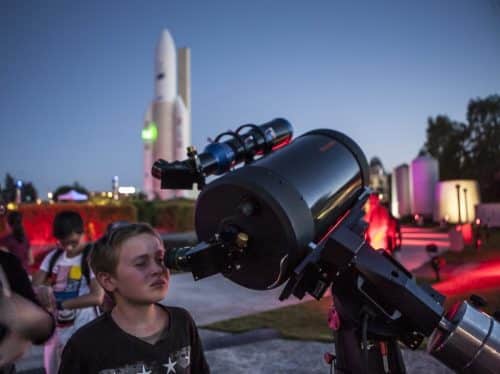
(77, 77)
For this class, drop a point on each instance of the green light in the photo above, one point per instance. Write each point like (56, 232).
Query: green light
(150, 133)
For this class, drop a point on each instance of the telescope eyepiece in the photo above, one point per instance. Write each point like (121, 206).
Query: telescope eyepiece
(177, 259)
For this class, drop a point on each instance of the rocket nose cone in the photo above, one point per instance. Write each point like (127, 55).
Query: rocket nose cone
(165, 45)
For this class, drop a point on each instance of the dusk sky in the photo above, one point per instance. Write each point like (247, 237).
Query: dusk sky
(77, 76)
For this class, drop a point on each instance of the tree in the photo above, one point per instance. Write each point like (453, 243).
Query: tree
(9, 190)
(8, 193)
(469, 150)
(28, 193)
(483, 117)
(446, 141)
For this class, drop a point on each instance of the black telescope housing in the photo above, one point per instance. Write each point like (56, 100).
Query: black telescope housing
(283, 202)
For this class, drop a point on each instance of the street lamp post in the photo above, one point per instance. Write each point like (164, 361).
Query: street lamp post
(457, 186)
(466, 207)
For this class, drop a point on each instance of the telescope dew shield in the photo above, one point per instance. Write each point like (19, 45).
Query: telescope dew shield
(283, 202)
(473, 343)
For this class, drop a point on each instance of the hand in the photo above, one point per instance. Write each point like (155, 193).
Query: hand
(45, 295)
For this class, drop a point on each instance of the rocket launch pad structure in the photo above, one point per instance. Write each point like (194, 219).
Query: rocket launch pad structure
(167, 124)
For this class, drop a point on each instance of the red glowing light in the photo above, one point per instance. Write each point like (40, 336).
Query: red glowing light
(382, 232)
(474, 278)
(282, 143)
(467, 233)
(333, 227)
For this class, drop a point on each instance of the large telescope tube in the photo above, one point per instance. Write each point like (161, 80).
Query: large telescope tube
(283, 202)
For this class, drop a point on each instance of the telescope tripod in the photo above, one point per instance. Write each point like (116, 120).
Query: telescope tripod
(358, 349)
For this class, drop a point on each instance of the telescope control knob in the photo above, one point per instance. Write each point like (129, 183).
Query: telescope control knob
(242, 240)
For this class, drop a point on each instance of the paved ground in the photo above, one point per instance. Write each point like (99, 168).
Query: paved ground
(413, 253)
(288, 356)
(215, 298)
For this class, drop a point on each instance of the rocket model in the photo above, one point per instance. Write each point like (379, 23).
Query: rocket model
(167, 126)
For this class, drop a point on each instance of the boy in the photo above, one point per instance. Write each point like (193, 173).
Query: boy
(66, 286)
(138, 335)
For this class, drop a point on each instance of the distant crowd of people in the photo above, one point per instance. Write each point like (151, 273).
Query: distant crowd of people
(94, 306)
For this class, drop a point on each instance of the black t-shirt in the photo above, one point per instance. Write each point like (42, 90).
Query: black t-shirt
(102, 347)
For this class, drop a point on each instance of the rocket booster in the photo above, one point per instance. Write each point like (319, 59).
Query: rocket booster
(182, 129)
(168, 114)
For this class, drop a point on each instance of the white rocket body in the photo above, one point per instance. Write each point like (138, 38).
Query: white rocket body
(170, 115)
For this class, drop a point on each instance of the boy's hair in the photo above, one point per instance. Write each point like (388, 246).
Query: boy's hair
(66, 223)
(105, 254)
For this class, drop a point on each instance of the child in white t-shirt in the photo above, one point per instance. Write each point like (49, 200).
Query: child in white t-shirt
(67, 285)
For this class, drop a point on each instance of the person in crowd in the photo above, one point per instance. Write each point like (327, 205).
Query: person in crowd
(139, 335)
(66, 285)
(22, 320)
(16, 241)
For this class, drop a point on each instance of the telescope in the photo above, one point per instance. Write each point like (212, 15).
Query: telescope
(293, 213)
(218, 157)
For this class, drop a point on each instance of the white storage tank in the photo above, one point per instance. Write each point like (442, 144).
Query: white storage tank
(424, 174)
(456, 200)
(400, 188)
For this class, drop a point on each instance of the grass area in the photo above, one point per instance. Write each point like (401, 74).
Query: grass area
(304, 321)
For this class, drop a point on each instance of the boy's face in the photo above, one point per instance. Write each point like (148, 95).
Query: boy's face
(73, 244)
(140, 277)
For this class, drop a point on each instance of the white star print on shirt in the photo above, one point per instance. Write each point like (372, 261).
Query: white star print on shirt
(170, 366)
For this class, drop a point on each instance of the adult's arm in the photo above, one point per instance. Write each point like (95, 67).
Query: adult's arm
(23, 320)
